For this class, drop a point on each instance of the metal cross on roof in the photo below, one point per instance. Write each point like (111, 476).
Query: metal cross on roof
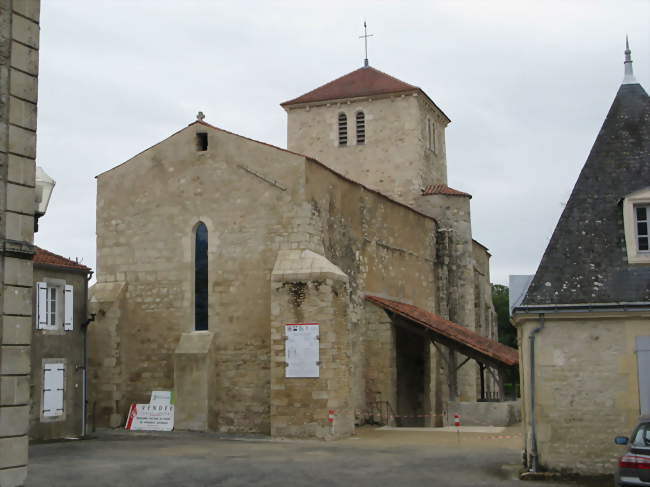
(365, 40)
(200, 116)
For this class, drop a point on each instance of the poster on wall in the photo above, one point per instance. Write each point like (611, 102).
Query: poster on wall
(150, 417)
(301, 350)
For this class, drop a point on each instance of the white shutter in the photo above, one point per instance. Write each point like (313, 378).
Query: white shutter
(68, 307)
(41, 305)
(53, 380)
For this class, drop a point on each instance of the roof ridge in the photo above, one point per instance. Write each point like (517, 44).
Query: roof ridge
(334, 82)
(42, 254)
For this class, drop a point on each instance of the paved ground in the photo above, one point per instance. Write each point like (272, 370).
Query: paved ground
(374, 458)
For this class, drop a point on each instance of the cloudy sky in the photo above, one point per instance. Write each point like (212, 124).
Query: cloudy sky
(526, 84)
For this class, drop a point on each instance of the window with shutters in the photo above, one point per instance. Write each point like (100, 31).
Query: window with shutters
(53, 397)
(636, 220)
(54, 305)
(343, 129)
(361, 128)
(201, 277)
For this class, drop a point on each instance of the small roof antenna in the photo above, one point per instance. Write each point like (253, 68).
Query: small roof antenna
(365, 41)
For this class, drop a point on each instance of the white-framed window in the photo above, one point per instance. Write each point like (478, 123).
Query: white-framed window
(54, 306)
(53, 397)
(642, 215)
(636, 220)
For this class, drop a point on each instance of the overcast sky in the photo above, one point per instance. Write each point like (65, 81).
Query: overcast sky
(527, 85)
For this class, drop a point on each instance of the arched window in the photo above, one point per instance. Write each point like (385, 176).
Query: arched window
(343, 129)
(201, 277)
(361, 128)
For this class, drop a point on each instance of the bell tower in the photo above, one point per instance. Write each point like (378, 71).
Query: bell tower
(373, 128)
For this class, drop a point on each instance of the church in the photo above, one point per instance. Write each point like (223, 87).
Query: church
(295, 292)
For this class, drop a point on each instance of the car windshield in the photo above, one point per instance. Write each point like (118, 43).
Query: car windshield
(642, 435)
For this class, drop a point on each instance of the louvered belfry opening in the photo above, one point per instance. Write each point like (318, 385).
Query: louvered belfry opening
(343, 129)
(361, 128)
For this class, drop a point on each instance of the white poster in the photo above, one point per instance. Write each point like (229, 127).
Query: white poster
(301, 350)
(150, 417)
(161, 397)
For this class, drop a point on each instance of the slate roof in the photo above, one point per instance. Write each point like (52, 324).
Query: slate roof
(483, 346)
(586, 261)
(46, 257)
(443, 189)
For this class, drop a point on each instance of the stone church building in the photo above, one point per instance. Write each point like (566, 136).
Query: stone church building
(209, 244)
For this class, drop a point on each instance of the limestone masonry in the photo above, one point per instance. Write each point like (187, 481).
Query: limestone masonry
(298, 236)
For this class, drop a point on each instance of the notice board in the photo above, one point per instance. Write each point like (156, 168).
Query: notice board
(301, 350)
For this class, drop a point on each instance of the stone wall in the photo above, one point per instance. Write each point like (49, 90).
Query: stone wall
(65, 345)
(586, 387)
(248, 195)
(19, 43)
(306, 288)
(395, 158)
(386, 249)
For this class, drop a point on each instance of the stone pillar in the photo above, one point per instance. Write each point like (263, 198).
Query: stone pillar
(456, 255)
(307, 288)
(19, 37)
(105, 378)
(193, 380)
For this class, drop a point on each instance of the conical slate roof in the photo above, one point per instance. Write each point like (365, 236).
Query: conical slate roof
(586, 259)
(364, 81)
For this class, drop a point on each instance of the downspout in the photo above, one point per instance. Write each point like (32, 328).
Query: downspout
(84, 333)
(533, 429)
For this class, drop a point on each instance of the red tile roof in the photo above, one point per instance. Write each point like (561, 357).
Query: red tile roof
(362, 82)
(49, 258)
(479, 344)
(443, 189)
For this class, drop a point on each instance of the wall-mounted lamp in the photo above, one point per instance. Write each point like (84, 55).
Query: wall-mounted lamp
(44, 186)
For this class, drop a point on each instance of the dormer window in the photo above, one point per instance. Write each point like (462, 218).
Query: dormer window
(343, 129)
(636, 220)
(361, 128)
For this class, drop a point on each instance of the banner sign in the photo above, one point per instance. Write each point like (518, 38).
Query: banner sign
(301, 350)
(150, 417)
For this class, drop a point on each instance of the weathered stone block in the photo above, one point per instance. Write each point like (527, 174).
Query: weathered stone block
(14, 420)
(18, 272)
(22, 141)
(14, 390)
(24, 58)
(17, 300)
(28, 8)
(25, 31)
(20, 227)
(24, 85)
(16, 330)
(13, 477)
(14, 452)
(21, 170)
(14, 360)
(22, 113)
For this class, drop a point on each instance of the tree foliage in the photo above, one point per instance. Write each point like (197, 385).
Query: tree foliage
(507, 332)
